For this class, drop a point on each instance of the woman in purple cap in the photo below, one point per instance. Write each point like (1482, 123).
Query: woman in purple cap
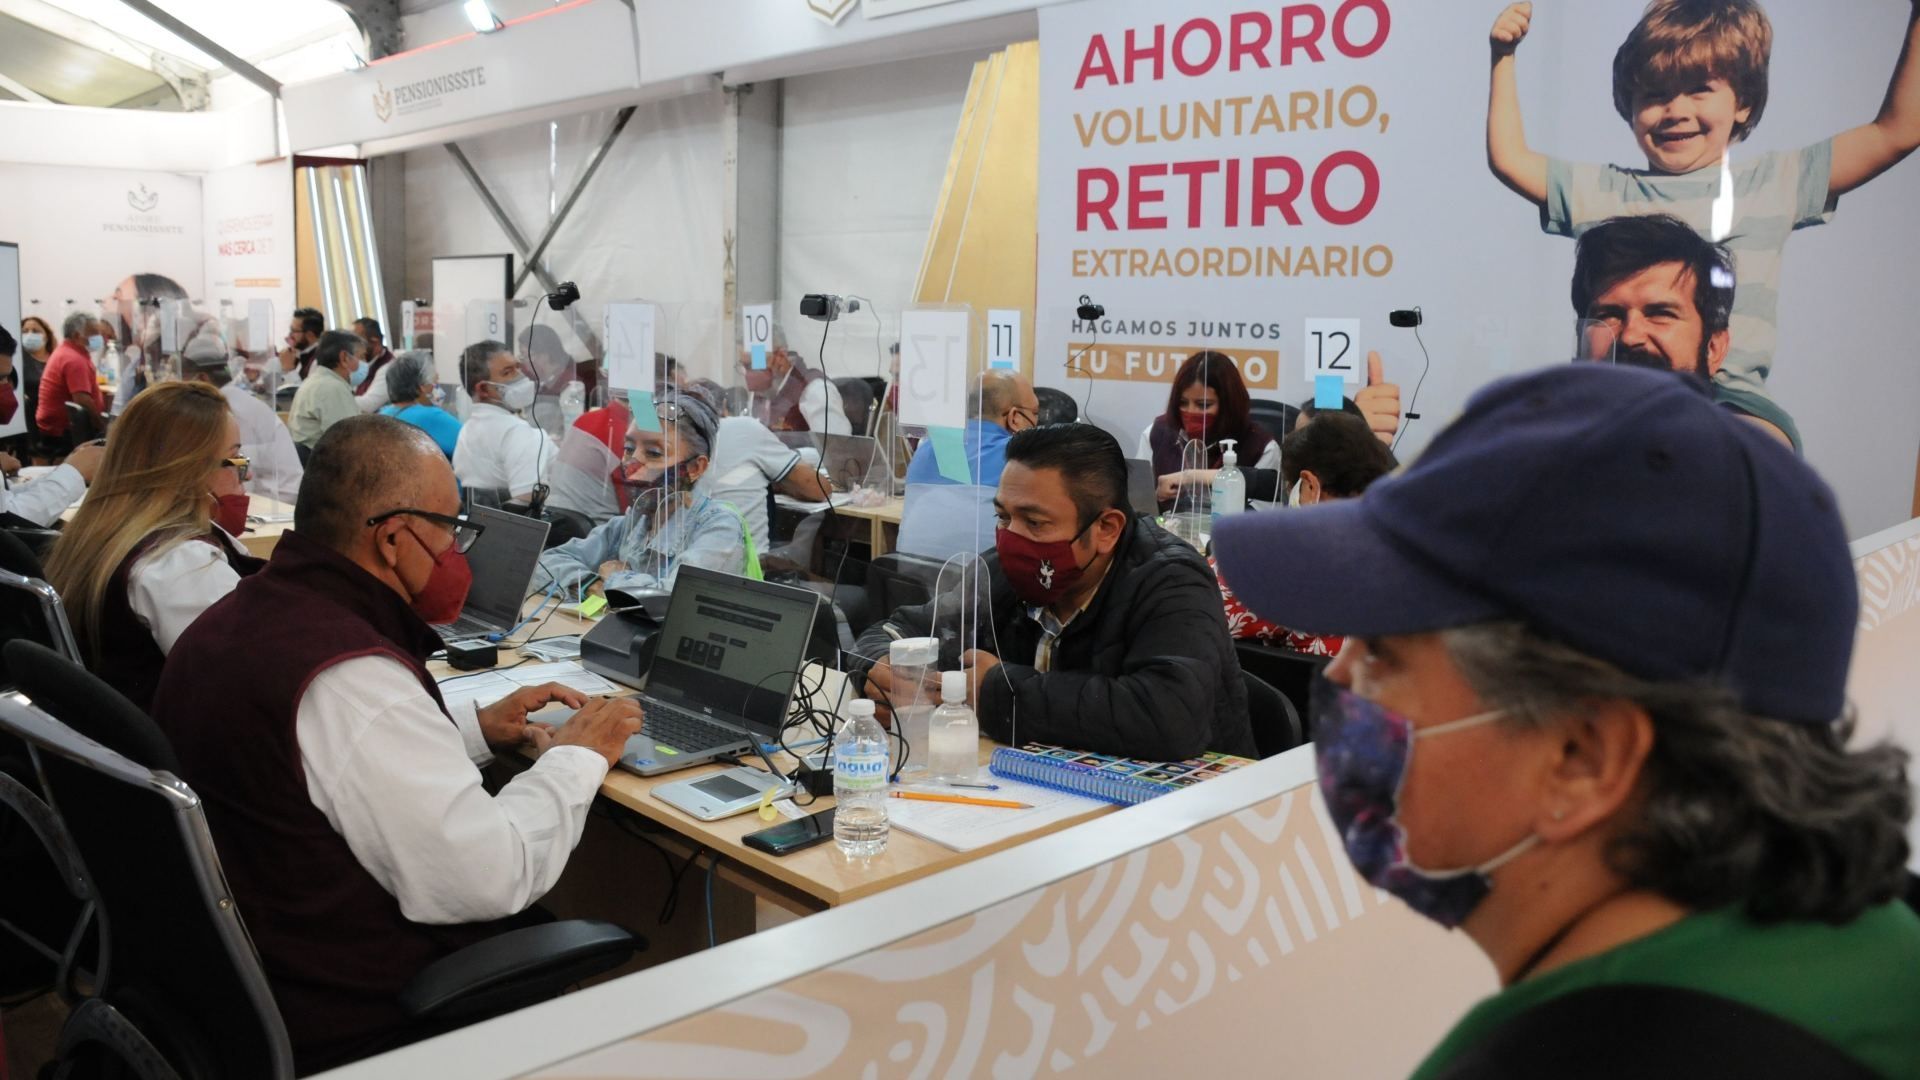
(1591, 712)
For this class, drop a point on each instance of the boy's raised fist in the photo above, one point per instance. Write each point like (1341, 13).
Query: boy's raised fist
(1510, 28)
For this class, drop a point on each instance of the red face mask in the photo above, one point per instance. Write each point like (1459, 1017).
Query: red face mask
(446, 589)
(1196, 424)
(1040, 573)
(230, 513)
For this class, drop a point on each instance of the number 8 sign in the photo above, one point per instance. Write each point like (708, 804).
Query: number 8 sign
(933, 368)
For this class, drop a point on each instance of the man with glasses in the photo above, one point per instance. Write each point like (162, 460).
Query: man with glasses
(949, 507)
(343, 793)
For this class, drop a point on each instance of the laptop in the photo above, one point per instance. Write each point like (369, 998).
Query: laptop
(849, 459)
(502, 560)
(725, 662)
(1140, 487)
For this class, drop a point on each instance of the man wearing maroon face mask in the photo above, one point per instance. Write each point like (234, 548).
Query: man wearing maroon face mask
(1106, 632)
(340, 789)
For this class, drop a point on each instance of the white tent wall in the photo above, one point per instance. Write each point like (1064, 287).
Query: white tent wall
(648, 224)
(863, 153)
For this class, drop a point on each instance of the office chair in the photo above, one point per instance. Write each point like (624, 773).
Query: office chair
(80, 425)
(182, 992)
(1277, 417)
(1276, 724)
(856, 396)
(1287, 671)
(897, 579)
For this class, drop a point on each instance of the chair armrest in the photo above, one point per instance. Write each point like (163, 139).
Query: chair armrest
(516, 969)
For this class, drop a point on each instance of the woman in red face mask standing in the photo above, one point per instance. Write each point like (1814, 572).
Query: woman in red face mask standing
(154, 543)
(1208, 403)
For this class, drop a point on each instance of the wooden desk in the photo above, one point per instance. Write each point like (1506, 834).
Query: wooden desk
(260, 538)
(883, 520)
(804, 882)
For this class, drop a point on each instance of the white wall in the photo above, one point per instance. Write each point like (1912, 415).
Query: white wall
(648, 225)
(863, 153)
(82, 231)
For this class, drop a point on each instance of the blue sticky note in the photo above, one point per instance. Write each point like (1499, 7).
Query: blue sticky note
(1329, 392)
(759, 355)
(645, 417)
(950, 453)
(1003, 364)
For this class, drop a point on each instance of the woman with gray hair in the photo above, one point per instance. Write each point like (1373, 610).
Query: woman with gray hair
(1592, 712)
(416, 398)
(668, 523)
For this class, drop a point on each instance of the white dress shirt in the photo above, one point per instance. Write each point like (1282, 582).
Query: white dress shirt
(499, 450)
(399, 783)
(42, 501)
(168, 588)
(820, 403)
(746, 460)
(267, 443)
(375, 396)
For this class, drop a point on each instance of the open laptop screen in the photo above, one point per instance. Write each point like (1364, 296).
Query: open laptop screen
(502, 560)
(731, 647)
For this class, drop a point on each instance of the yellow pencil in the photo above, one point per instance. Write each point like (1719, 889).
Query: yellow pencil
(966, 800)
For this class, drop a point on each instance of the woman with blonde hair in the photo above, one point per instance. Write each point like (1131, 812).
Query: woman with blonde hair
(153, 544)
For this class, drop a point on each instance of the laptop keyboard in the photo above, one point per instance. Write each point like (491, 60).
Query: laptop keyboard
(687, 732)
(466, 626)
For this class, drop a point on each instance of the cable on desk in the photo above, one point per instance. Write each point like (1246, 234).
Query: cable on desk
(712, 862)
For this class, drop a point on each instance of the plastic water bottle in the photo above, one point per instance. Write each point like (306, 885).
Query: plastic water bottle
(573, 402)
(953, 738)
(860, 782)
(1229, 485)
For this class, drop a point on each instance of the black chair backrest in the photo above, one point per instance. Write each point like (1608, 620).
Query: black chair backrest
(1276, 725)
(80, 427)
(897, 579)
(1287, 671)
(1277, 417)
(857, 397)
(29, 609)
(79, 699)
(179, 965)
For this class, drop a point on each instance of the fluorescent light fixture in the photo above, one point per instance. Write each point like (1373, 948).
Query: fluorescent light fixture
(482, 16)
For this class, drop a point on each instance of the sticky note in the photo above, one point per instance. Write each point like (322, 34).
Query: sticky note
(1329, 392)
(950, 453)
(647, 418)
(592, 605)
(759, 356)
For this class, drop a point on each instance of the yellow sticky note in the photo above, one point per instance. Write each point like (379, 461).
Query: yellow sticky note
(767, 812)
(592, 606)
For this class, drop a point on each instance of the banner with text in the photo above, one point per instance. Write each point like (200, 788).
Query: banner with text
(1273, 180)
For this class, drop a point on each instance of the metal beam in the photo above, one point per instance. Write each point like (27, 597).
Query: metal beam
(207, 45)
(519, 242)
(580, 185)
(23, 91)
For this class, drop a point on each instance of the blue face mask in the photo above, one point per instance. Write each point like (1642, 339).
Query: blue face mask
(96, 343)
(1363, 752)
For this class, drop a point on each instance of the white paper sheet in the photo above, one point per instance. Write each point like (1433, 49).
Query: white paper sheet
(964, 828)
(487, 687)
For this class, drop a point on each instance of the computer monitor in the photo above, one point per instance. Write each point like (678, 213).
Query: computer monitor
(732, 645)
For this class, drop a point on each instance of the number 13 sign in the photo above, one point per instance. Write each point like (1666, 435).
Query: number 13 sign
(933, 368)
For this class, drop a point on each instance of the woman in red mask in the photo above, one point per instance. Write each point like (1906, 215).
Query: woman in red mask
(153, 544)
(1208, 403)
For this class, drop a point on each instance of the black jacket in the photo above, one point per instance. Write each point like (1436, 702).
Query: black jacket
(1147, 670)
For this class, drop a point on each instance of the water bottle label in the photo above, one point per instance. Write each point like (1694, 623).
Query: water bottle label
(861, 772)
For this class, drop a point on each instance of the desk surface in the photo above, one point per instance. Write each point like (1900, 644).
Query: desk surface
(818, 877)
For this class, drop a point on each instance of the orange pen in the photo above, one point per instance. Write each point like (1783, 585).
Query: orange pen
(965, 800)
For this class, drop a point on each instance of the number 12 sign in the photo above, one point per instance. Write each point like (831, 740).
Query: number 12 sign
(1333, 348)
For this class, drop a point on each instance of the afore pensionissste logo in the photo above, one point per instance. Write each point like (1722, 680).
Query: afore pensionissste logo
(423, 94)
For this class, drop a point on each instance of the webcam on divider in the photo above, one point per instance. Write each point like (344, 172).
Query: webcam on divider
(1405, 318)
(564, 296)
(1089, 311)
(824, 307)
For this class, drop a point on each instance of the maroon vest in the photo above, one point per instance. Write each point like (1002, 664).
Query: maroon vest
(783, 412)
(129, 659)
(336, 948)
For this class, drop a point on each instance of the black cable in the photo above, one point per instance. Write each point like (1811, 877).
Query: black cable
(833, 513)
(1086, 407)
(1426, 362)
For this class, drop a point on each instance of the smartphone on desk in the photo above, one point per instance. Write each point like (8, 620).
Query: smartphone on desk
(793, 835)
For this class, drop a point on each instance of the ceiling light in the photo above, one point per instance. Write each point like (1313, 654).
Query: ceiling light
(482, 16)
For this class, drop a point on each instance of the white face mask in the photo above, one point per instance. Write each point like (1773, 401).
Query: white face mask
(33, 342)
(1293, 494)
(517, 395)
(439, 394)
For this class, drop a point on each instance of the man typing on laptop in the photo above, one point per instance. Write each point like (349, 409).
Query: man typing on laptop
(350, 817)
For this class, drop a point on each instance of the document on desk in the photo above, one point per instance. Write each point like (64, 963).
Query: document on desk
(487, 687)
(964, 828)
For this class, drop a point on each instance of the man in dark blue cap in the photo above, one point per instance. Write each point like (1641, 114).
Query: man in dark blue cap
(1614, 620)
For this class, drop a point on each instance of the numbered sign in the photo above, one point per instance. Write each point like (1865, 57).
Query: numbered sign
(629, 341)
(1003, 339)
(756, 334)
(406, 326)
(933, 369)
(259, 326)
(1333, 348)
(487, 321)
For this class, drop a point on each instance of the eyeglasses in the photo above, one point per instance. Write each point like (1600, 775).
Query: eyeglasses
(464, 532)
(241, 465)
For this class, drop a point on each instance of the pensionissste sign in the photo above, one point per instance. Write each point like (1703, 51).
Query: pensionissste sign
(1271, 179)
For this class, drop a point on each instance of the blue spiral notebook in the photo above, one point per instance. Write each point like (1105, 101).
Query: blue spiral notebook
(1101, 776)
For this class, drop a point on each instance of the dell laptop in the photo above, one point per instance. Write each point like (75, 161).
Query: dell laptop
(727, 657)
(502, 560)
